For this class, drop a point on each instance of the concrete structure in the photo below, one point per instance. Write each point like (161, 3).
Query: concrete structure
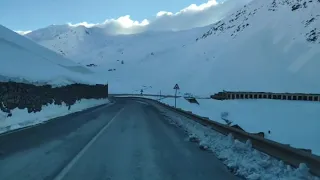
(228, 95)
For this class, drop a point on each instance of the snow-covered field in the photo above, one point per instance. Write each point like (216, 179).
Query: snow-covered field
(21, 118)
(241, 158)
(289, 122)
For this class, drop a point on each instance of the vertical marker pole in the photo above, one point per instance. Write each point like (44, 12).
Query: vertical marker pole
(176, 87)
(175, 99)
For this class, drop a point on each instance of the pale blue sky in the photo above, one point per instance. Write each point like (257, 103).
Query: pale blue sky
(34, 14)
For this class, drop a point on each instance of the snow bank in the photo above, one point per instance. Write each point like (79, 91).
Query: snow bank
(289, 122)
(241, 158)
(25, 61)
(21, 118)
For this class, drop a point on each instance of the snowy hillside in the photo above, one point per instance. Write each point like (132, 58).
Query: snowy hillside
(93, 45)
(25, 61)
(268, 45)
(22, 60)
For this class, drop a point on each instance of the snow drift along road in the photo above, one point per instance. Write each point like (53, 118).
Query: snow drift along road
(25, 61)
(22, 60)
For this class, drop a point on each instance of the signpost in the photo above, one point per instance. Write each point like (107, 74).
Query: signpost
(176, 87)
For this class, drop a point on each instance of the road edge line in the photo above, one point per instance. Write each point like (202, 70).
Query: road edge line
(68, 167)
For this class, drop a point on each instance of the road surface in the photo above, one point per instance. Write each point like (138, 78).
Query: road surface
(128, 140)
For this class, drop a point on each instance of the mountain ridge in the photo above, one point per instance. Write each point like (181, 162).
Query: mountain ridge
(257, 48)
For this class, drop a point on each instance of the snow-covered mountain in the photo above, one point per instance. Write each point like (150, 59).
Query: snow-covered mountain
(25, 61)
(93, 45)
(267, 45)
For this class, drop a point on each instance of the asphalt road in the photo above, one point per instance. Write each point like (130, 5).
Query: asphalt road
(128, 140)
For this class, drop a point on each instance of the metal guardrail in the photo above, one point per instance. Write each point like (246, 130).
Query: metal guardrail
(158, 95)
(289, 155)
(152, 95)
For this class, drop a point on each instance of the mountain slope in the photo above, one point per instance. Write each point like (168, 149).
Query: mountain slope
(93, 45)
(268, 45)
(24, 60)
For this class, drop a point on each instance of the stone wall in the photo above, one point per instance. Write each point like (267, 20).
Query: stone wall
(227, 95)
(20, 95)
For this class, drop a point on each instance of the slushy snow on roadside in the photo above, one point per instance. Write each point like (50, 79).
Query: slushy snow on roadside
(240, 157)
(21, 118)
(289, 122)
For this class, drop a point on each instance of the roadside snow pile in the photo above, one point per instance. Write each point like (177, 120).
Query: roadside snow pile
(25, 66)
(241, 158)
(288, 122)
(21, 118)
(22, 60)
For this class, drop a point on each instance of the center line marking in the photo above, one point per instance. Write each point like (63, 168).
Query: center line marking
(66, 169)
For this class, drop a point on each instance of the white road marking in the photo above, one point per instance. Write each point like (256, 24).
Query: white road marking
(66, 169)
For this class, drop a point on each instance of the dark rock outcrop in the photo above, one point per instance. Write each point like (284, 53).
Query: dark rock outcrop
(20, 95)
(91, 65)
(313, 35)
(296, 6)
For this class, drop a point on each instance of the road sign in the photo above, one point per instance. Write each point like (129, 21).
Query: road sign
(176, 87)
